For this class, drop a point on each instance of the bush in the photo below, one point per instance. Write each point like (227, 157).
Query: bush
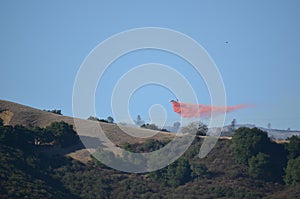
(292, 171)
(177, 173)
(198, 170)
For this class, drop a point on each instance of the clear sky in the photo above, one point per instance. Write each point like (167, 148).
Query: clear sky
(255, 45)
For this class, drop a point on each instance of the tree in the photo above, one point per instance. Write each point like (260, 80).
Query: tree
(93, 118)
(55, 111)
(1, 122)
(293, 147)
(176, 126)
(183, 171)
(43, 135)
(110, 119)
(202, 129)
(248, 142)
(233, 124)
(292, 171)
(177, 173)
(198, 128)
(259, 166)
(150, 126)
(64, 133)
(139, 121)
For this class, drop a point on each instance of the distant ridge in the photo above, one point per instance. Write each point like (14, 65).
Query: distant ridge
(276, 134)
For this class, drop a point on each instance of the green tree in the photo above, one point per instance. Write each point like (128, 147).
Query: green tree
(43, 135)
(179, 172)
(93, 118)
(55, 111)
(127, 146)
(110, 119)
(293, 147)
(248, 142)
(64, 133)
(292, 171)
(259, 166)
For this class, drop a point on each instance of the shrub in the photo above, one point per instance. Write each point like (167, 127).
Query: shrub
(292, 171)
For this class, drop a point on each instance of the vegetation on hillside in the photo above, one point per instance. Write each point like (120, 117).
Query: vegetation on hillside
(55, 111)
(198, 128)
(249, 166)
(265, 159)
(109, 119)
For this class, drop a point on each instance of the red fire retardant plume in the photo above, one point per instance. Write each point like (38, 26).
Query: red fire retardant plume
(199, 110)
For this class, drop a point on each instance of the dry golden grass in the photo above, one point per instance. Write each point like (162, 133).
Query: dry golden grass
(17, 114)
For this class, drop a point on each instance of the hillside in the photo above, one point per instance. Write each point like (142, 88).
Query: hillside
(32, 171)
(16, 114)
(26, 173)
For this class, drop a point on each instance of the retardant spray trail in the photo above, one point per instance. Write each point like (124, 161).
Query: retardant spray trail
(188, 110)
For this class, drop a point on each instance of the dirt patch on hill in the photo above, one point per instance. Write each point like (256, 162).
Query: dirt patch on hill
(6, 116)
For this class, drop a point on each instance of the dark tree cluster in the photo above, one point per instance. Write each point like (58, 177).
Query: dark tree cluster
(150, 126)
(292, 170)
(55, 111)
(58, 133)
(266, 159)
(109, 119)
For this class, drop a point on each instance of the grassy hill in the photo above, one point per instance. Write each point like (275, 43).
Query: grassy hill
(16, 114)
(29, 171)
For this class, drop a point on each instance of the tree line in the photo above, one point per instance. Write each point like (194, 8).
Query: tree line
(266, 159)
(56, 134)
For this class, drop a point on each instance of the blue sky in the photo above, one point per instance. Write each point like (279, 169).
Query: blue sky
(43, 44)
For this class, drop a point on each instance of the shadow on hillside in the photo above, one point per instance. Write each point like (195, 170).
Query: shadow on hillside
(90, 142)
(84, 142)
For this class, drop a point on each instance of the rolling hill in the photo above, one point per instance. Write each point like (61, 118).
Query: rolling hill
(54, 172)
(16, 114)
